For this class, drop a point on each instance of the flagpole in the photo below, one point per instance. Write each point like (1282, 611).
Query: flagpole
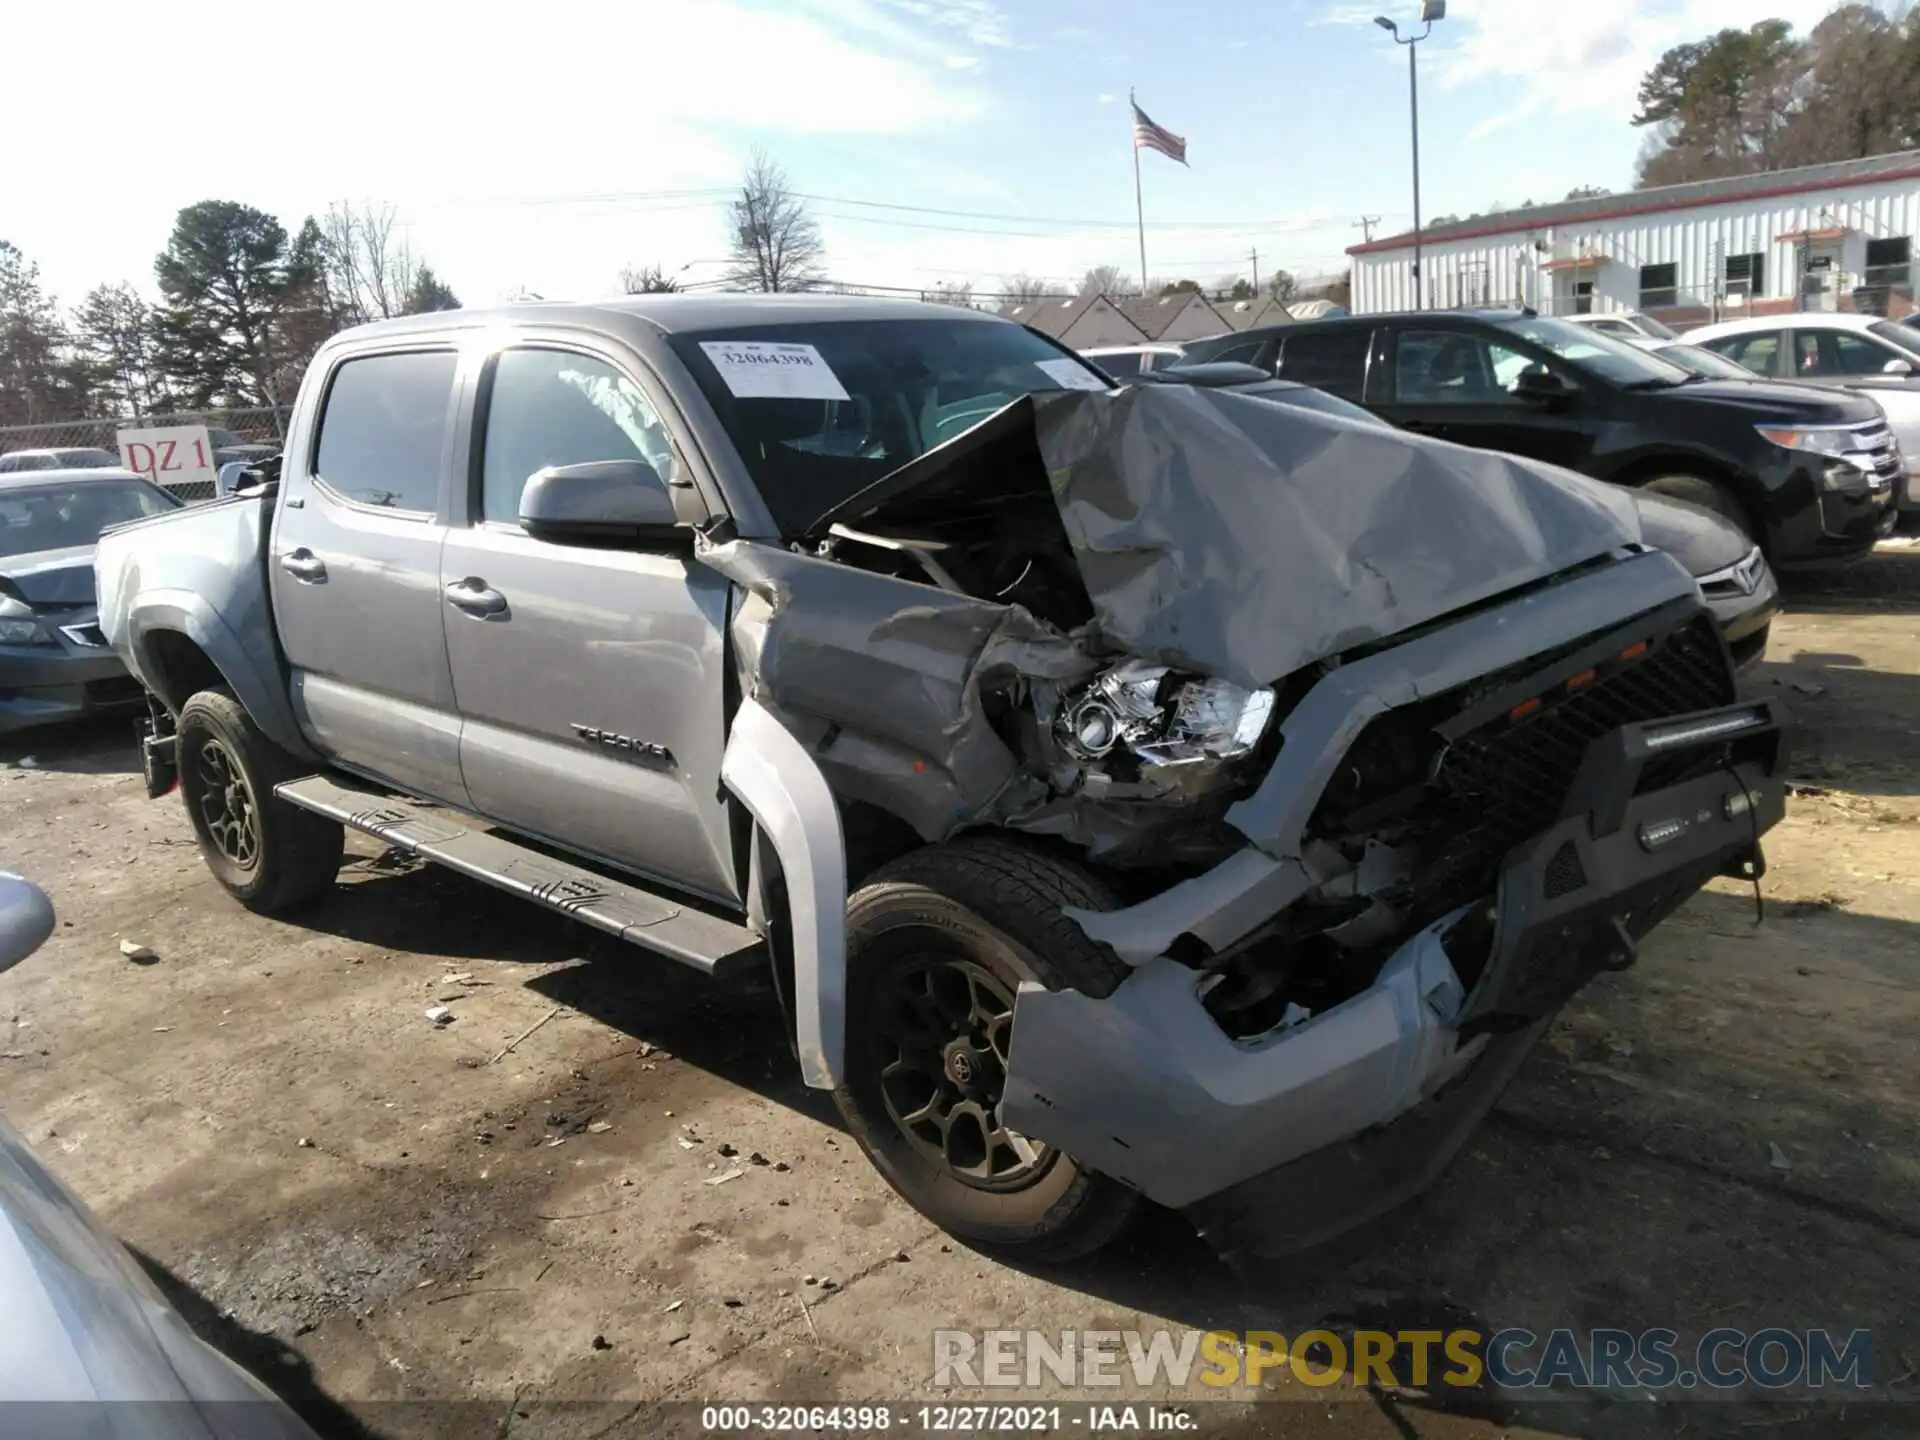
(1139, 209)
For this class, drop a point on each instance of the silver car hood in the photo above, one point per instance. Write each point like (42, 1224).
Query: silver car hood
(1223, 534)
(83, 1330)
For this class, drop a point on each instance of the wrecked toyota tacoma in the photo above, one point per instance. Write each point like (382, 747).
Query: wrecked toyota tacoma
(1131, 792)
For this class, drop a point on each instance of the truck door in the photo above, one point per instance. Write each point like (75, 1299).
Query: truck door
(590, 681)
(355, 570)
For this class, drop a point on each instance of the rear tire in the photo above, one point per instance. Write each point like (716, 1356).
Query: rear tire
(1708, 495)
(270, 856)
(937, 945)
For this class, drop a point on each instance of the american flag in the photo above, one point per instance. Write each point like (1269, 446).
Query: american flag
(1149, 136)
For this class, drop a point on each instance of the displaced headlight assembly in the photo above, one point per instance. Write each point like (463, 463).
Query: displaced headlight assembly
(1832, 442)
(1162, 717)
(19, 625)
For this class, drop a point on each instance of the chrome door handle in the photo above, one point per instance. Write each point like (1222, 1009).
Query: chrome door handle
(473, 596)
(304, 565)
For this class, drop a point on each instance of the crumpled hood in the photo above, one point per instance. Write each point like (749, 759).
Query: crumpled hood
(51, 577)
(1222, 534)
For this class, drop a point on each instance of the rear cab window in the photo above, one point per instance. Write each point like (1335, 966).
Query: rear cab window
(1330, 360)
(383, 427)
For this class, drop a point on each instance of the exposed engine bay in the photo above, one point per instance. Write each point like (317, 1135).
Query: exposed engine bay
(1145, 584)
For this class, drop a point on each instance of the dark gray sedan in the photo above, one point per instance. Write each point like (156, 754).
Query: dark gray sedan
(54, 663)
(1734, 577)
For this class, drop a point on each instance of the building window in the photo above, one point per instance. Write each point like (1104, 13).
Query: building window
(1659, 286)
(1747, 275)
(1890, 262)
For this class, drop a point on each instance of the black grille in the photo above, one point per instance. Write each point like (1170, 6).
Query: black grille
(1565, 873)
(1506, 781)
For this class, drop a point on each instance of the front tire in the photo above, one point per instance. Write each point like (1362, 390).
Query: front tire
(270, 856)
(937, 944)
(1708, 495)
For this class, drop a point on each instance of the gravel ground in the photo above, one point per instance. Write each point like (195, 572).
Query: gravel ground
(367, 1209)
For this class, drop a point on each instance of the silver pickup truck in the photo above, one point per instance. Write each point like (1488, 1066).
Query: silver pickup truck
(1132, 792)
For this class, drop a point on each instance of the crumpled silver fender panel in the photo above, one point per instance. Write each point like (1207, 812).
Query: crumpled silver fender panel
(782, 787)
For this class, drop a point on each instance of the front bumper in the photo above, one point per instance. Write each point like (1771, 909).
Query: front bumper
(1840, 524)
(1286, 1139)
(1745, 620)
(43, 684)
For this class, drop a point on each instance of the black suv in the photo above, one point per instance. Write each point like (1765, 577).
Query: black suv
(1812, 475)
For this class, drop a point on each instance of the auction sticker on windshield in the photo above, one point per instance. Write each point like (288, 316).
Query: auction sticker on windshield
(1071, 374)
(765, 370)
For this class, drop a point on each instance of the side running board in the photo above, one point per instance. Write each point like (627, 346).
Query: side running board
(708, 943)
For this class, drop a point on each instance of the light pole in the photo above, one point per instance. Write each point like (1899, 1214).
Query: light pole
(1430, 11)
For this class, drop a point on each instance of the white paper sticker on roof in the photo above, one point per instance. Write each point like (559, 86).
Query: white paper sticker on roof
(1071, 374)
(766, 370)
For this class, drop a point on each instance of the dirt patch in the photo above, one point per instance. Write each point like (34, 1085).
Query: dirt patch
(372, 1211)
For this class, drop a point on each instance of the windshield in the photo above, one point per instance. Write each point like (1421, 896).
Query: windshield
(59, 517)
(1588, 350)
(1705, 363)
(1649, 326)
(819, 412)
(1902, 336)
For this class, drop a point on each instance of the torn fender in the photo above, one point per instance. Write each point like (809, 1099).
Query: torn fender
(886, 677)
(784, 791)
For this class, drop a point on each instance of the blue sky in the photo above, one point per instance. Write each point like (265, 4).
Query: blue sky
(541, 150)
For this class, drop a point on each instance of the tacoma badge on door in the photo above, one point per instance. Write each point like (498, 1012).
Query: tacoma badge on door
(645, 749)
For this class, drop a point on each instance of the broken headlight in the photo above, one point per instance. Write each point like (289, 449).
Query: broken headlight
(1162, 717)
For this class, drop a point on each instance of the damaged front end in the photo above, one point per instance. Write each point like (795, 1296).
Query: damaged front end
(1391, 746)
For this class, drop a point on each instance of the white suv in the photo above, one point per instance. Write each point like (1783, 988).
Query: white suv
(1878, 358)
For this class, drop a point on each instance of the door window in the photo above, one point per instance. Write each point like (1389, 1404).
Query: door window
(1757, 351)
(381, 431)
(558, 407)
(1829, 353)
(1450, 367)
(1335, 361)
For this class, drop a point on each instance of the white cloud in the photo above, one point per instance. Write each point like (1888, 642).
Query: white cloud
(400, 103)
(1108, 98)
(1565, 58)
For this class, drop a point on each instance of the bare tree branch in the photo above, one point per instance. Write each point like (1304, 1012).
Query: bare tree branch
(776, 245)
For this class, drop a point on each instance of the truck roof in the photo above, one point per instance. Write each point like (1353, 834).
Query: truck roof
(678, 314)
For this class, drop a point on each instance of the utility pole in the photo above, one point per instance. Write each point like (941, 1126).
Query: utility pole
(1365, 226)
(1430, 11)
(1254, 256)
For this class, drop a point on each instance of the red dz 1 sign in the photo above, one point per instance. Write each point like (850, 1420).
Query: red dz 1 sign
(170, 456)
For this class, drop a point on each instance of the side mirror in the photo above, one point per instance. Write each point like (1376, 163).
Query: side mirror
(601, 502)
(1897, 367)
(231, 478)
(26, 919)
(1539, 384)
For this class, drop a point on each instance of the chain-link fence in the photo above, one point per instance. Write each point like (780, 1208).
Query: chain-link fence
(236, 434)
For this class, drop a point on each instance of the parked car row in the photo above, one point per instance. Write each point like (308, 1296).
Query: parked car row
(1812, 475)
